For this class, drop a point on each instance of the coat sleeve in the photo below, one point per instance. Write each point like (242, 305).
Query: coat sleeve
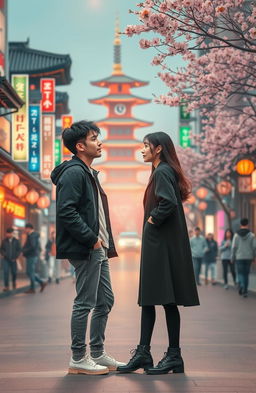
(234, 247)
(18, 249)
(70, 190)
(165, 195)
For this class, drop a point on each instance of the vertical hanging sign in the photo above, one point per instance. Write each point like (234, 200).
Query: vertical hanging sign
(20, 120)
(57, 152)
(34, 138)
(48, 144)
(47, 87)
(66, 122)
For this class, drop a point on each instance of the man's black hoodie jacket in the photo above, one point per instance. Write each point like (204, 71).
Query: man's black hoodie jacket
(77, 216)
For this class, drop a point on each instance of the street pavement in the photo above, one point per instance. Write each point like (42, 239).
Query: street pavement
(218, 341)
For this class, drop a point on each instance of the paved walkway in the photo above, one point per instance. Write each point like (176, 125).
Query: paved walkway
(218, 341)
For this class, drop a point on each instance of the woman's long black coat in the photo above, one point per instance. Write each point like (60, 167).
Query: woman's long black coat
(166, 273)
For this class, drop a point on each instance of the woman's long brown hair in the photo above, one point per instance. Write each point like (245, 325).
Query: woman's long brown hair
(169, 155)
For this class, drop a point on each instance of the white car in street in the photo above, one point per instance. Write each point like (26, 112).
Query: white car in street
(129, 240)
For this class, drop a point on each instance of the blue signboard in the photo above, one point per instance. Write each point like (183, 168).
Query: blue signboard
(34, 138)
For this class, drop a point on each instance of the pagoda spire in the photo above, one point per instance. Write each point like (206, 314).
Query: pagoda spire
(117, 66)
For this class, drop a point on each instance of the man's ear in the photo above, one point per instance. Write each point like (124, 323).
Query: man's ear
(80, 146)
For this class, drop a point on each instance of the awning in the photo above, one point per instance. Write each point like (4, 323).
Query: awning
(10, 102)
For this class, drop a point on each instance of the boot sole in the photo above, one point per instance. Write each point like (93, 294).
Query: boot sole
(87, 372)
(159, 372)
(135, 369)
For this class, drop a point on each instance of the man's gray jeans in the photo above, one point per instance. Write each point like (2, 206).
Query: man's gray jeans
(94, 291)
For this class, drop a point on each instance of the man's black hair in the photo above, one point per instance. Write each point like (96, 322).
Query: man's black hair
(9, 230)
(197, 229)
(28, 225)
(77, 132)
(244, 222)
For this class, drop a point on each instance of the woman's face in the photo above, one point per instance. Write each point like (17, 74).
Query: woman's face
(228, 235)
(147, 155)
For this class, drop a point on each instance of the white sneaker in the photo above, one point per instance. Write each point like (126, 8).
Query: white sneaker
(86, 366)
(108, 361)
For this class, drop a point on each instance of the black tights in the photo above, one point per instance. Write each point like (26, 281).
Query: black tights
(148, 317)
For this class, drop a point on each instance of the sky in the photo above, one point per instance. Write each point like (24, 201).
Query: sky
(84, 29)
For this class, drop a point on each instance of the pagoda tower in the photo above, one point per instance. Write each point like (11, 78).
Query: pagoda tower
(121, 170)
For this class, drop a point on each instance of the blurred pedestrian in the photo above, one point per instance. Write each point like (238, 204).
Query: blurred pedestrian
(210, 258)
(10, 250)
(54, 264)
(242, 253)
(31, 251)
(225, 255)
(198, 248)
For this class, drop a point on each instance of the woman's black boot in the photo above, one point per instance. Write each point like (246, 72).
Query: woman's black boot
(141, 359)
(172, 361)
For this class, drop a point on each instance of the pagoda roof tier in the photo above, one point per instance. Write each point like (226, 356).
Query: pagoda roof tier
(120, 98)
(121, 142)
(129, 121)
(115, 79)
(37, 63)
(121, 165)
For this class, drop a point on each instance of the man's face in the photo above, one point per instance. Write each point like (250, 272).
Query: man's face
(210, 236)
(27, 231)
(197, 232)
(9, 235)
(91, 147)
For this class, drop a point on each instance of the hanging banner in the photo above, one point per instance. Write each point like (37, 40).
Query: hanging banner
(48, 144)
(57, 152)
(185, 140)
(47, 88)
(20, 120)
(34, 138)
(66, 122)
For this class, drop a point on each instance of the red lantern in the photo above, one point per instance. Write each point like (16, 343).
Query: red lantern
(32, 197)
(2, 194)
(20, 190)
(191, 200)
(224, 187)
(202, 193)
(11, 180)
(43, 202)
(202, 206)
(245, 167)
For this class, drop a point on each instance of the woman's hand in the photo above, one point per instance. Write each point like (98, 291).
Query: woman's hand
(150, 220)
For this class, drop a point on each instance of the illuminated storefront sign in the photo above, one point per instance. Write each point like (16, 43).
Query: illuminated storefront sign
(34, 138)
(66, 122)
(57, 152)
(185, 140)
(48, 144)
(47, 87)
(14, 209)
(20, 120)
(5, 134)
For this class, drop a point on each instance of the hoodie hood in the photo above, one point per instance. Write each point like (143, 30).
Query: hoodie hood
(243, 232)
(58, 170)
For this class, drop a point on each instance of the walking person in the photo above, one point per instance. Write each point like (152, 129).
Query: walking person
(84, 237)
(210, 258)
(54, 264)
(10, 250)
(198, 248)
(243, 252)
(225, 255)
(31, 251)
(166, 271)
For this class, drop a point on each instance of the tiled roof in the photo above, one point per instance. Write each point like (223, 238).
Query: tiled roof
(120, 79)
(121, 97)
(124, 120)
(25, 60)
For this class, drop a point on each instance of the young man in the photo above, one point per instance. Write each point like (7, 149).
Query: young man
(243, 251)
(198, 248)
(10, 250)
(31, 251)
(210, 258)
(84, 237)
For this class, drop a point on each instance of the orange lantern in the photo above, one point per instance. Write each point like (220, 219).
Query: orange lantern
(11, 180)
(202, 193)
(224, 187)
(32, 197)
(20, 190)
(191, 200)
(245, 167)
(202, 206)
(2, 194)
(43, 202)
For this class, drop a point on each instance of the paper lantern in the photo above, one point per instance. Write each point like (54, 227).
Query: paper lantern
(2, 194)
(245, 167)
(191, 200)
(202, 206)
(32, 197)
(11, 180)
(224, 187)
(20, 190)
(202, 193)
(43, 202)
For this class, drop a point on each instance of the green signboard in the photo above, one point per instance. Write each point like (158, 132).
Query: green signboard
(57, 152)
(184, 115)
(185, 136)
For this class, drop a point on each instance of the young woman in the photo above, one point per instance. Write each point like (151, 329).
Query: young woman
(166, 273)
(225, 254)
